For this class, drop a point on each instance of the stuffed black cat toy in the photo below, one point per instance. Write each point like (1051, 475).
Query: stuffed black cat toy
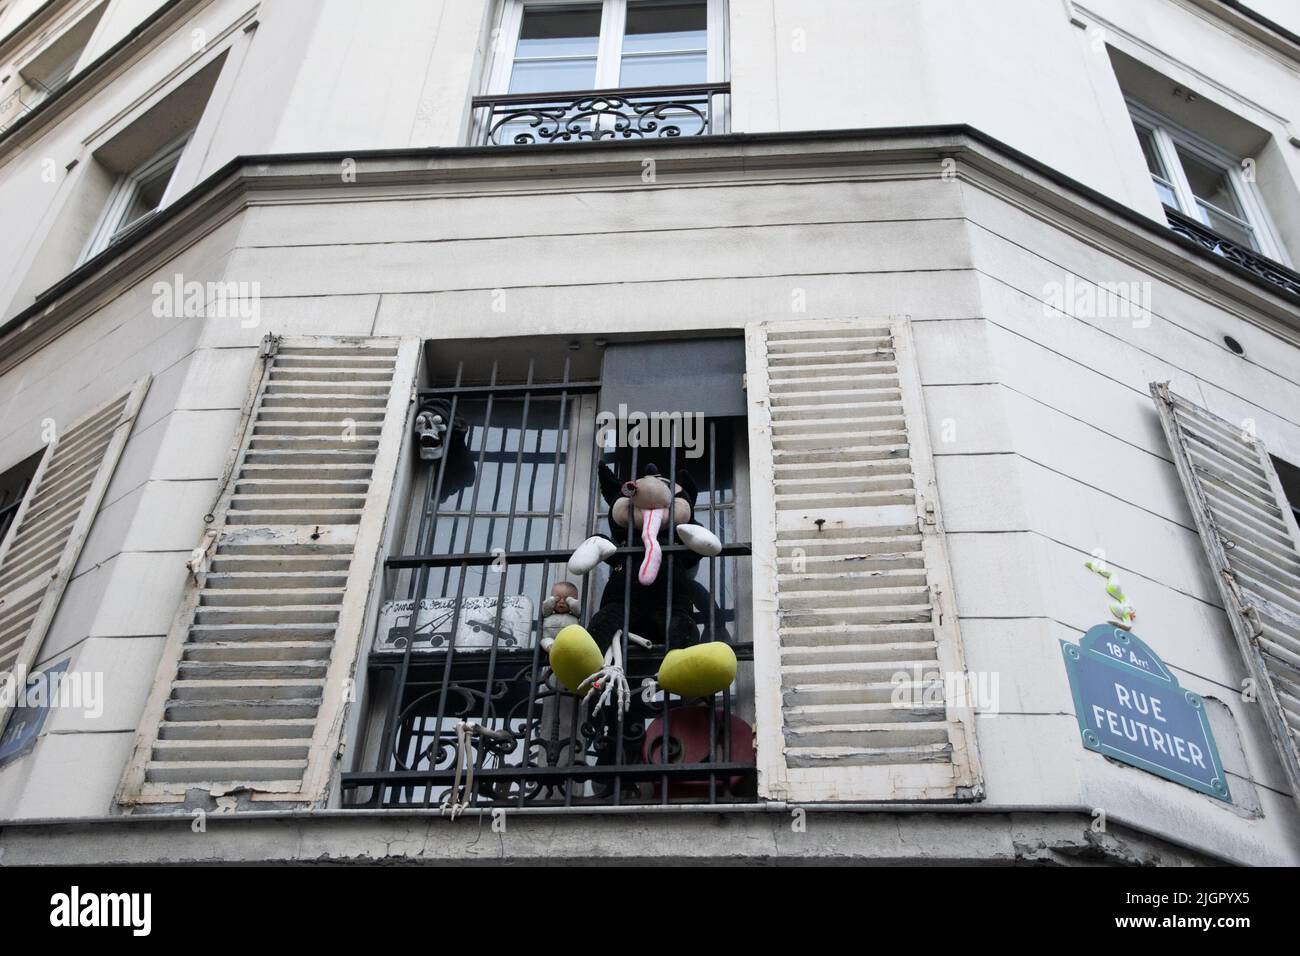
(642, 505)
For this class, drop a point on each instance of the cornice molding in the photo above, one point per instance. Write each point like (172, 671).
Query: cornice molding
(1254, 23)
(318, 177)
(35, 20)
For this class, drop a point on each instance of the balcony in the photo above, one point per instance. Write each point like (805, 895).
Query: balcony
(1286, 280)
(525, 119)
(21, 100)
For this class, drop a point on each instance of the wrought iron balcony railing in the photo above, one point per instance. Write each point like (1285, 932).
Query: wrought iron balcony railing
(521, 119)
(21, 100)
(1250, 260)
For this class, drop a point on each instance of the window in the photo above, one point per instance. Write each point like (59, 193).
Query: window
(633, 46)
(137, 167)
(13, 486)
(1288, 475)
(1200, 181)
(49, 70)
(136, 194)
(617, 43)
(495, 519)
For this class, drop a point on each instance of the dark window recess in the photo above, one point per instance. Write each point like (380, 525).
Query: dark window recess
(1289, 476)
(515, 490)
(13, 486)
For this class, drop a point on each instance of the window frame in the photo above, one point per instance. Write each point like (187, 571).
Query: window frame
(127, 187)
(609, 48)
(1168, 138)
(387, 718)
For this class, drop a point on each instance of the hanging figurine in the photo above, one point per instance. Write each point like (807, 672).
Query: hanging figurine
(657, 602)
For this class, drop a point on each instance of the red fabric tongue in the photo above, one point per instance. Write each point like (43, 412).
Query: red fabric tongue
(651, 519)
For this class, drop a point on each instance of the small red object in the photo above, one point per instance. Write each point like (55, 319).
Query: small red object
(688, 727)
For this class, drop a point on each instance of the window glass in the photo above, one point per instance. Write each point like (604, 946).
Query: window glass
(1227, 226)
(659, 26)
(557, 49)
(1159, 175)
(1288, 476)
(504, 489)
(1216, 205)
(13, 486)
(1149, 152)
(148, 194)
(665, 42)
(1209, 183)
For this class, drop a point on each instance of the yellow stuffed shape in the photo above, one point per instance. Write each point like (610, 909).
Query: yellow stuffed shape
(575, 656)
(698, 671)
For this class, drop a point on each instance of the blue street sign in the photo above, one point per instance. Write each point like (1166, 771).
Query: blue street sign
(26, 721)
(1130, 707)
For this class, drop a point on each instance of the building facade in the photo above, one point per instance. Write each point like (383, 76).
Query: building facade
(330, 331)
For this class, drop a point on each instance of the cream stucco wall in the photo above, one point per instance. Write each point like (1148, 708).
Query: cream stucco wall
(1055, 449)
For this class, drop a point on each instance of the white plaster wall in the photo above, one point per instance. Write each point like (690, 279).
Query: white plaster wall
(127, 582)
(1057, 449)
(1070, 426)
(1057, 446)
(1282, 12)
(333, 75)
(49, 209)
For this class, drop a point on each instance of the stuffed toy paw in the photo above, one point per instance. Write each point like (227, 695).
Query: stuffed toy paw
(699, 671)
(575, 657)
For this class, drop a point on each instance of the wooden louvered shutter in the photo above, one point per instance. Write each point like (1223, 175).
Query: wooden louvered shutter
(41, 549)
(853, 598)
(251, 689)
(1250, 537)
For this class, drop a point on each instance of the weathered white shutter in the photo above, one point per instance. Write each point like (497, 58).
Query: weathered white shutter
(251, 689)
(38, 555)
(855, 623)
(1250, 537)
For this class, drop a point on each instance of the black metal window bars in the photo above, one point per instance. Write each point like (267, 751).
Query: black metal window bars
(1262, 267)
(520, 119)
(476, 660)
(25, 97)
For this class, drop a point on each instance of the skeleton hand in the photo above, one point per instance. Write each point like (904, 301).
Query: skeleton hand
(607, 682)
(590, 553)
(610, 680)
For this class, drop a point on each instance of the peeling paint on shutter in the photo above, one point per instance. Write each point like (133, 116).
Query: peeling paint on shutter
(1250, 537)
(39, 554)
(854, 600)
(251, 690)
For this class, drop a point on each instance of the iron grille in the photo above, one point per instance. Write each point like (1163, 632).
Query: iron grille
(491, 541)
(523, 119)
(1262, 267)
